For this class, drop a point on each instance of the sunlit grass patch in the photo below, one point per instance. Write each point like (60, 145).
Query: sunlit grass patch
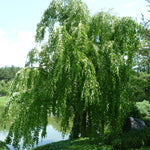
(3, 100)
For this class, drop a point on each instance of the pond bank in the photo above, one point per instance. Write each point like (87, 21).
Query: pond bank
(79, 144)
(54, 133)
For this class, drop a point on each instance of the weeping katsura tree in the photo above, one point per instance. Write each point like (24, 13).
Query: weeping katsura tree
(81, 74)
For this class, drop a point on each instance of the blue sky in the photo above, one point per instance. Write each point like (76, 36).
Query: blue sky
(18, 20)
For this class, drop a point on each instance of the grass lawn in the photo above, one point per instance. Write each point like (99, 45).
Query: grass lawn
(79, 144)
(3, 100)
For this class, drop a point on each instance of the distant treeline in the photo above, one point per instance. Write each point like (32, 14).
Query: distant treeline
(6, 76)
(8, 73)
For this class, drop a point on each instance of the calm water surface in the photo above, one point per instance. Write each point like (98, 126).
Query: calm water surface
(53, 133)
(52, 136)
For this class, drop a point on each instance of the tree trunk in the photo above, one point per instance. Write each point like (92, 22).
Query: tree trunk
(83, 127)
(102, 130)
(76, 125)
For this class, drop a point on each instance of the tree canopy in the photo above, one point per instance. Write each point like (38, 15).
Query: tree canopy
(141, 77)
(82, 73)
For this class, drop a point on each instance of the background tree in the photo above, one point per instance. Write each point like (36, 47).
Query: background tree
(6, 76)
(8, 73)
(141, 77)
(83, 74)
(114, 66)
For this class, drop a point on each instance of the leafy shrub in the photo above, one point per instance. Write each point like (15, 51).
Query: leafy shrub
(144, 108)
(132, 139)
(141, 84)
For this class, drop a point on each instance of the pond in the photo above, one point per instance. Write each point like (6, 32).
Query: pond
(53, 132)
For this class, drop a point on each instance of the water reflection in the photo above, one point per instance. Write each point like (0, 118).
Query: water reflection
(52, 136)
(54, 133)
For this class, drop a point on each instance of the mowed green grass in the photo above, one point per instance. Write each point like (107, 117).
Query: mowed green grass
(79, 144)
(3, 100)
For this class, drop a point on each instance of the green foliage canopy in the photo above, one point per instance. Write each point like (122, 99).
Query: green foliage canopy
(141, 77)
(83, 74)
